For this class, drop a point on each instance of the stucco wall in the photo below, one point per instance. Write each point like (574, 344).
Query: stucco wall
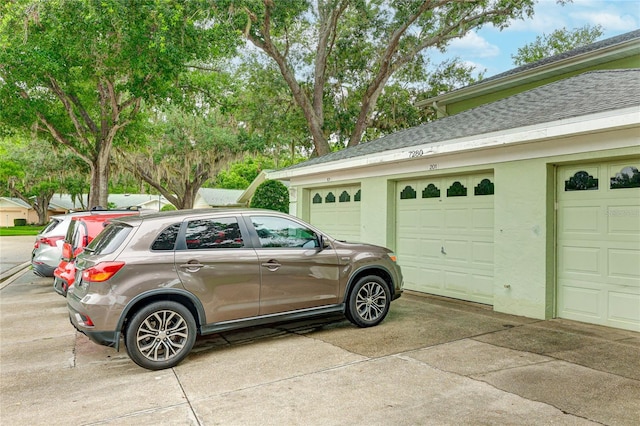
(520, 238)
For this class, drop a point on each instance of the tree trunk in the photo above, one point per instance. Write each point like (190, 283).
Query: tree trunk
(98, 195)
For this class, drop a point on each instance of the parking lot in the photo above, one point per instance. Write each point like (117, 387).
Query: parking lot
(432, 361)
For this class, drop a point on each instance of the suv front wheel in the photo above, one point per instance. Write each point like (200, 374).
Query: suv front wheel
(160, 335)
(369, 301)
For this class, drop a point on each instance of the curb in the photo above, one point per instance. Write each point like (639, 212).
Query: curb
(12, 274)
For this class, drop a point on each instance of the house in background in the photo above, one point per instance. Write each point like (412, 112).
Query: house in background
(525, 196)
(12, 208)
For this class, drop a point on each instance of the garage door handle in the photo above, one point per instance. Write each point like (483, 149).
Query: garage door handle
(272, 265)
(442, 250)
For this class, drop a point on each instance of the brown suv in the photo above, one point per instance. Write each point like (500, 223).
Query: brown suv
(159, 280)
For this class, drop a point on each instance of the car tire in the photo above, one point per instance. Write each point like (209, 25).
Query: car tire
(368, 302)
(160, 335)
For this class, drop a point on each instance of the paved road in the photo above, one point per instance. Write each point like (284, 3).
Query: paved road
(431, 362)
(15, 251)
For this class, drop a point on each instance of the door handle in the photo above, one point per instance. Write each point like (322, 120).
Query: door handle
(272, 265)
(192, 266)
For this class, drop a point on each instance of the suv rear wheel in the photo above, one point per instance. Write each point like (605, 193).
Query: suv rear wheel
(160, 335)
(369, 301)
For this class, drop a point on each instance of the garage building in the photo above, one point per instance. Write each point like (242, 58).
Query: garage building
(530, 203)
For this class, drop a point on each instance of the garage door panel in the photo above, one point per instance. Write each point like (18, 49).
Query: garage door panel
(457, 219)
(456, 251)
(599, 243)
(581, 219)
(580, 300)
(430, 249)
(483, 219)
(624, 308)
(624, 220)
(581, 260)
(625, 264)
(456, 234)
(482, 253)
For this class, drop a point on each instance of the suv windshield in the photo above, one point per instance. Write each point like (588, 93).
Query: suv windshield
(110, 239)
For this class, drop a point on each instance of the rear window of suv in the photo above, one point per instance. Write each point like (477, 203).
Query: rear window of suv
(110, 239)
(51, 225)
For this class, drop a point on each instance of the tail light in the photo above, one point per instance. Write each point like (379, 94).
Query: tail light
(102, 271)
(67, 251)
(50, 240)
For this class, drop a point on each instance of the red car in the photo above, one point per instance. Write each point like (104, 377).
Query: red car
(82, 230)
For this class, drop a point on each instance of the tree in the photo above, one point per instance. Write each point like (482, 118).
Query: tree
(272, 195)
(351, 49)
(555, 43)
(79, 71)
(181, 153)
(32, 171)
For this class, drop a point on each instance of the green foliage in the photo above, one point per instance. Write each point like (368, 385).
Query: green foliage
(79, 71)
(168, 207)
(272, 195)
(338, 57)
(182, 152)
(557, 42)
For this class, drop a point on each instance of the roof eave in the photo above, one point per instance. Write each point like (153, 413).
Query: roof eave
(606, 121)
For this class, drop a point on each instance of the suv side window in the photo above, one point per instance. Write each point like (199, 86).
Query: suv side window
(282, 232)
(166, 240)
(213, 233)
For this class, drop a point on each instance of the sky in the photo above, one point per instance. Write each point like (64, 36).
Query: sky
(490, 50)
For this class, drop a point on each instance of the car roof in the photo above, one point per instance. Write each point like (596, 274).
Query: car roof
(180, 214)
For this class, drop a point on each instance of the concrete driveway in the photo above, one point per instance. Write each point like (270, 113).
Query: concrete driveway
(431, 362)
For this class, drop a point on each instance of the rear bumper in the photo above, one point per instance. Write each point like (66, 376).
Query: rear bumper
(104, 338)
(42, 269)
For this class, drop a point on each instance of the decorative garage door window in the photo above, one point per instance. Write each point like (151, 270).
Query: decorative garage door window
(485, 187)
(345, 197)
(356, 197)
(317, 199)
(330, 198)
(581, 181)
(431, 191)
(629, 177)
(408, 193)
(457, 190)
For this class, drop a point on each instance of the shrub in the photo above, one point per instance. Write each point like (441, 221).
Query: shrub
(168, 207)
(272, 195)
(19, 222)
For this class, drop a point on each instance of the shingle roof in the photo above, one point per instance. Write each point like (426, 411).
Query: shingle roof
(584, 94)
(220, 197)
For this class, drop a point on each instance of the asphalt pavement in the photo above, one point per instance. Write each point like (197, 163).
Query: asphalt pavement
(433, 361)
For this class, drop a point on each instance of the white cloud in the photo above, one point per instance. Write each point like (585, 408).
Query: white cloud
(472, 45)
(610, 21)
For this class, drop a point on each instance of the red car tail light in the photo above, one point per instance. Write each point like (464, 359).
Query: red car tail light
(102, 271)
(67, 251)
(50, 240)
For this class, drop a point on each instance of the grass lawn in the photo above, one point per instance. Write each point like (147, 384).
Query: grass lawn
(20, 230)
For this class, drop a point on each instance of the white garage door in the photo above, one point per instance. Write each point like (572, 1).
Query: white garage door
(599, 243)
(445, 236)
(336, 211)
